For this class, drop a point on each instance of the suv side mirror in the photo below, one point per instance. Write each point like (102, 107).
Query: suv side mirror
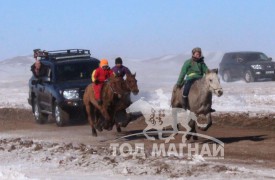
(270, 59)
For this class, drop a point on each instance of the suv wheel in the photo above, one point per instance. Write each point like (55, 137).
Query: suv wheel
(39, 117)
(59, 115)
(248, 77)
(226, 76)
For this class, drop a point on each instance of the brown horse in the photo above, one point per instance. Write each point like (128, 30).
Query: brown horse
(121, 118)
(200, 97)
(131, 83)
(111, 91)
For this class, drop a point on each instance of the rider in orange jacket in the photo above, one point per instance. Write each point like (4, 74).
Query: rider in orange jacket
(99, 76)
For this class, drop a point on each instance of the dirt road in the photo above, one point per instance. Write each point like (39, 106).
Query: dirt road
(249, 139)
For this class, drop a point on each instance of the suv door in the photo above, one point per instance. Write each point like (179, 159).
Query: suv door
(237, 65)
(44, 91)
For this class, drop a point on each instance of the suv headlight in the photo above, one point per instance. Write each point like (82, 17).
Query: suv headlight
(257, 66)
(71, 94)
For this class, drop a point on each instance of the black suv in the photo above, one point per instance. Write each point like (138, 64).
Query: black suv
(60, 91)
(249, 66)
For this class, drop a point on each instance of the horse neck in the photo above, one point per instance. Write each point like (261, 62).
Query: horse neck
(109, 94)
(128, 89)
(204, 92)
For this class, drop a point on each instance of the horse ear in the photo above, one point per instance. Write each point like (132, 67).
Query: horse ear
(215, 71)
(134, 74)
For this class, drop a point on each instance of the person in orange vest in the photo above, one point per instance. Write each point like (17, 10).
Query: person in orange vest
(99, 76)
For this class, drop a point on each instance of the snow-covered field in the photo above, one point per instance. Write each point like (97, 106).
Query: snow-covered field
(27, 159)
(152, 74)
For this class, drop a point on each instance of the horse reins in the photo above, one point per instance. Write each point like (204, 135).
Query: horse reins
(214, 88)
(112, 89)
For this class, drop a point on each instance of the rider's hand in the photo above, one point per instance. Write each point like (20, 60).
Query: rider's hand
(96, 81)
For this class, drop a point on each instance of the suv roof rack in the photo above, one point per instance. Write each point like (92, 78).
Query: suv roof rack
(64, 54)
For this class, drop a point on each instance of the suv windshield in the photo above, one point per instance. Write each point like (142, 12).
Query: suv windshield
(71, 71)
(254, 57)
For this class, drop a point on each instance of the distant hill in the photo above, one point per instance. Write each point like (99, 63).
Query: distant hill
(152, 73)
(17, 68)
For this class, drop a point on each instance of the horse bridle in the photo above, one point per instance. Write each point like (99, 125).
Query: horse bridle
(128, 86)
(112, 89)
(214, 88)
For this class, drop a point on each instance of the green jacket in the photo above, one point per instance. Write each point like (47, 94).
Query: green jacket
(193, 69)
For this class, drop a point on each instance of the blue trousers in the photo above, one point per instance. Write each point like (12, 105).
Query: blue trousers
(187, 86)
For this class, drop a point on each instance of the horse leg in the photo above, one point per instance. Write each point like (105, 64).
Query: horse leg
(175, 126)
(98, 121)
(90, 119)
(146, 135)
(172, 136)
(195, 137)
(186, 136)
(107, 119)
(175, 120)
(160, 134)
(191, 124)
(118, 129)
(209, 122)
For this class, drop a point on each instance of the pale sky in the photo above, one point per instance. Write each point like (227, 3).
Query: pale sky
(136, 28)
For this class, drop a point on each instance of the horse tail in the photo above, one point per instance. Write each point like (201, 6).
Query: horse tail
(173, 96)
(174, 101)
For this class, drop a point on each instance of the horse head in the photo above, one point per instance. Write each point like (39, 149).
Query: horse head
(116, 85)
(131, 83)
(213, 82)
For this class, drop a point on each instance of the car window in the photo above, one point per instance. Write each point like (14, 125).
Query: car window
(255, 57)
(74, 71)
(263, 57)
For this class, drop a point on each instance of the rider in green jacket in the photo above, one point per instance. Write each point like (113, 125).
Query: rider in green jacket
(193, 69)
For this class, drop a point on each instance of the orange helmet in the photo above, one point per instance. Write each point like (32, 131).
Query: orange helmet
(103, 62)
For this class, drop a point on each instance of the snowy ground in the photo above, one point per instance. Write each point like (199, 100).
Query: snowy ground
(152, 74)
(29, 159)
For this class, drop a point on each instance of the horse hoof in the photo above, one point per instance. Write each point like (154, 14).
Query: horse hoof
(98, 127)
(94, 134)
(110, 128)
(188, 136)
(106, 127)
(118, 129)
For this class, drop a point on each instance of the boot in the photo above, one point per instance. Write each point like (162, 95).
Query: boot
(185, 102)
(212, 110)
